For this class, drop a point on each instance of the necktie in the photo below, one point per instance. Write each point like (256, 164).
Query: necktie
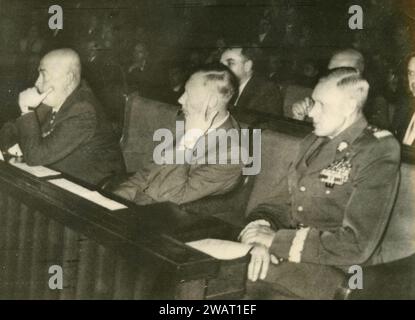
(410, 132)
(321, 142)
(51, 125)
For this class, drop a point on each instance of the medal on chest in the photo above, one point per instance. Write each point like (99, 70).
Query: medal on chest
(337, 173)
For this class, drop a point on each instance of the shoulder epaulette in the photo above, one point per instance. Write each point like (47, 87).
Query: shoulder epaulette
(379, 133)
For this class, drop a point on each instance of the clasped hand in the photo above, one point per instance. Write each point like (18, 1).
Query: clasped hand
(301, 109)
(31, 98)
(261, 237)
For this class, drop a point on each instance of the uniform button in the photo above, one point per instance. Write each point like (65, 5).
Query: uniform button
(328, 191)
(300, 209)
(302, 189)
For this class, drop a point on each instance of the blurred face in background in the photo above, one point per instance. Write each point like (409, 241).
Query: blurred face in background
(220, 44)
(264, 26)
(411, 75)
(91, 49)
(176, 77)
(140, 53)
(344, 59)
(274, 63)
(108, 36)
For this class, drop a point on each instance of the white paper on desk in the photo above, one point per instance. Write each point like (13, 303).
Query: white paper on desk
(15, 150)
(37, 171)
(221, 249)
(93, 196)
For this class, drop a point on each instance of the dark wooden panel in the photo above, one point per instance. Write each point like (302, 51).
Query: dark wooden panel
(136, 253)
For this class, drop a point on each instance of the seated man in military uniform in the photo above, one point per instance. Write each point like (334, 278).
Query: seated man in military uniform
(331, 210)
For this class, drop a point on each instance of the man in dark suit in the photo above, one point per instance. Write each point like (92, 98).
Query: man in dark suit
(255, 92)
(333, 207)
(62, 124)
(185, 171)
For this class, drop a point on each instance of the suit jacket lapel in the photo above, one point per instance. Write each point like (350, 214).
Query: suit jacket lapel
(247, 93)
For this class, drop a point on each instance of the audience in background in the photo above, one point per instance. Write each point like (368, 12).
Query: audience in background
(349, 58)
(130, 50)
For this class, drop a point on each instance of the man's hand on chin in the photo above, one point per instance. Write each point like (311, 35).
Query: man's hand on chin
(31, 98)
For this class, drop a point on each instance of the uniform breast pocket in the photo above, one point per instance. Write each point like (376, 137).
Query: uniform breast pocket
(333, 200)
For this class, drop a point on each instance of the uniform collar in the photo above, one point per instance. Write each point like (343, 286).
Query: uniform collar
(350, 134)
(331, 149)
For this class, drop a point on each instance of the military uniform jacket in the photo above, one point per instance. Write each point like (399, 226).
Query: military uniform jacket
(335, 224)
(77, 140)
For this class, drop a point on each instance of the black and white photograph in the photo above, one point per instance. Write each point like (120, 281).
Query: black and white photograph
(186, 150)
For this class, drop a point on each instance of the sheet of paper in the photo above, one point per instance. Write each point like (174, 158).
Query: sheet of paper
(221, 249)
(93, 196)
(37, 171)
(15, 151)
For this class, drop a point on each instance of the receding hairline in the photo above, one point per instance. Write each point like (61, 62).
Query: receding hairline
(68, 61)
(64, 56)
(347, 81)
(213, 79)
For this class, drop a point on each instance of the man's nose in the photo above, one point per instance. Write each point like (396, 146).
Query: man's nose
(37, 84)
(311, 112)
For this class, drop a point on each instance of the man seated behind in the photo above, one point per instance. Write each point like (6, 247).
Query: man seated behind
(254, 92)
(205, 107)
(62, 125)
(333, 206)
(348, 58)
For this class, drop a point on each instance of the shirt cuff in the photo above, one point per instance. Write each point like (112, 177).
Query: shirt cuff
(260, 222)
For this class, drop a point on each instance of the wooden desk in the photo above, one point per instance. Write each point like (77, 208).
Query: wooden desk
(131, 253)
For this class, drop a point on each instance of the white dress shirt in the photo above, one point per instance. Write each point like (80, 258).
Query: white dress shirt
(410, 132)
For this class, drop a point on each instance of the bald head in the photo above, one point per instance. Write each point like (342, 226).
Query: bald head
(65, 61)
(347, 58)
(59, 70)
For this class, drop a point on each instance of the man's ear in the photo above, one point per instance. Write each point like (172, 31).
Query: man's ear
(350, 106)
(248, 65)
(70, 79)
(213, 101)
